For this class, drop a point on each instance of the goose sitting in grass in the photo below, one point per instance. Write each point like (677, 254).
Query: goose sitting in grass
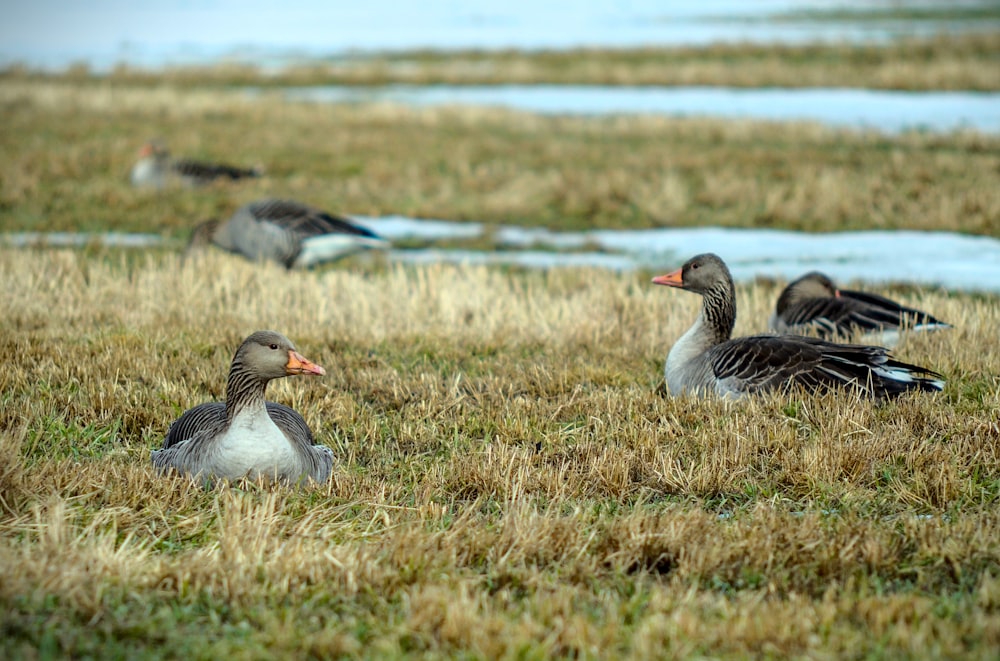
(285, 231)
(813, 305)
(706, 360)
(247, 436)
(156, 169)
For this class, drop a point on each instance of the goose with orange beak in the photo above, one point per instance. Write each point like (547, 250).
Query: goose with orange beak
(247, 436)
(156, 169)
(706, 360)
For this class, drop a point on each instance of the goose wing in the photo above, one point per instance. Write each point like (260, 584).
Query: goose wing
(321, 459)
(765, 362)
(294, 426)
(903, 315)
(179, 455)
(210, 171)
(305, 221)
(823, 316)
(842, 316)
(211, 417)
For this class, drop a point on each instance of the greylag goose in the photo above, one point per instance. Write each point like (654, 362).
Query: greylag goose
(288, 232)
(246, 436)
(155, 169)
(707, 360)
(813, 305)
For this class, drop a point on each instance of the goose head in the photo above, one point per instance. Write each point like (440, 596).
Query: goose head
(271, 355)
(154, 149)
(812, 285)
(701, 274)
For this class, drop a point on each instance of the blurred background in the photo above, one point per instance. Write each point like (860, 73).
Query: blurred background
(899, 70)
(104, 33)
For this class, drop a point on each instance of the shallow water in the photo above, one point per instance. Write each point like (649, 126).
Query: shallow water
(55, 33)
(945, 259)
(80, 240)
(881, 110)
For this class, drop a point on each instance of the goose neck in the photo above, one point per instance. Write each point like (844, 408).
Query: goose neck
(719, 312)
(244, 390)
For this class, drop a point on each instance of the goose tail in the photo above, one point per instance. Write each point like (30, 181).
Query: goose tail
(899, 376)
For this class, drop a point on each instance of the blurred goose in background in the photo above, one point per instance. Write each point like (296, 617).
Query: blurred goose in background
(156, 169)
(813, 305)
(287, 232)
(707, 360)
(247, 436)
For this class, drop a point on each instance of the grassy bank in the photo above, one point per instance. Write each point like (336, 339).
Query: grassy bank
(510, 479)
(908, 15)
(947, 62)
(67, 150)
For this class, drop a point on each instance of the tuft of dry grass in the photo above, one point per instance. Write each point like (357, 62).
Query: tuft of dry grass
(511, 482)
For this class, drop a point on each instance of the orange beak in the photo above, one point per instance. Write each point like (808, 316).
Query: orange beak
(672, 279)
(299, 364)
(836, 293)
(147, 150)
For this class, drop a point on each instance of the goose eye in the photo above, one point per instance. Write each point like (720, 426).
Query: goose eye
(274, 346)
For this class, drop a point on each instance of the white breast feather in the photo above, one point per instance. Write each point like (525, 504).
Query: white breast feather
(328, 247)
(253, 444)
(677, 370)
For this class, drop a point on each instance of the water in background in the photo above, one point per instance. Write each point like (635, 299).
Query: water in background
(954, 261)
(881, 110)
(102, 33)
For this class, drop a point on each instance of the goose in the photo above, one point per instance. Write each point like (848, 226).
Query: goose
(285, 231)
(155, 169)
(247, 436)
(706, 359)
(813, 305)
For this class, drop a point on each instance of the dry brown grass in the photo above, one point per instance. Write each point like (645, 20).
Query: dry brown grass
(510, 480)
(946, 62)
(68, 148)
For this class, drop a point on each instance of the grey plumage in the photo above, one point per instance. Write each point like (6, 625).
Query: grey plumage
(248, 436)
(813, 305)
(707, 360)
(290, 233)
(212, 415)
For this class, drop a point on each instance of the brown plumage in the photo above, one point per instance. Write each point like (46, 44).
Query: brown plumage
(707, 360)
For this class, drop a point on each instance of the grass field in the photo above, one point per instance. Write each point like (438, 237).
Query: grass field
(511, 479)
(68, 149)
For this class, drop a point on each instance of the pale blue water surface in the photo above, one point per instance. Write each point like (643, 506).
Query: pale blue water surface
(944, 259)
(880, 110)
(102, 33)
